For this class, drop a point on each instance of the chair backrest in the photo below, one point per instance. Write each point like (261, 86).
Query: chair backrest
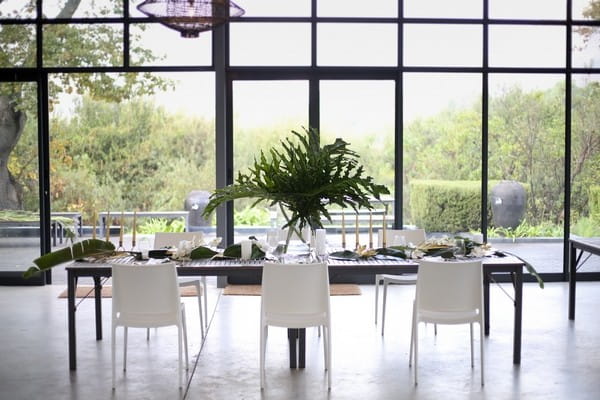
(414, 236)
(450, 286)
(146, 294)
(164, 239)
(295, 288)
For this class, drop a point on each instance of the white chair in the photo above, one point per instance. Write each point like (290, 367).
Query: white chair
(295, 296)
(164, 239)
(146, 297)
(395, 237)
(448, 293)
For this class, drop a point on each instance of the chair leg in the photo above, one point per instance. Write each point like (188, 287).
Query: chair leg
(412, 336)
(205, 294)
(125, 348)
(147, 333)
(263, 347)
(179, 354)
(481, 349)
(325, 347)
(416, 348)
(471, 336)
(185, 341)
(113, 337)
(197, 285)
(383, 305)
(377, 280)
(327, 336)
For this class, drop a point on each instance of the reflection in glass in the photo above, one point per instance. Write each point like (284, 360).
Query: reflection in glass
(19, 9)
(148, 152)
(586, 42)
(527, 9)
(583, 9)
(585, 156)
(443, 8)
(83, 45)
(167, 48)
(85, 9)
(442, 45)
(526, 145)
(19, 234)
(442, 152)
(353, 44)
(270, 44)
(275, 8)
(17, 46)
(357, 8)
(527, 46)
(264, 114)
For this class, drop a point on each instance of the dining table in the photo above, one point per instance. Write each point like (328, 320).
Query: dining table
(100, 271)
(578, 247)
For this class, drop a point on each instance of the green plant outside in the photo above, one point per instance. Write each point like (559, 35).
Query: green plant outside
(153, 225)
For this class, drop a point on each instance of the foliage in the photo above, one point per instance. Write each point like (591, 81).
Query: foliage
(586, 227)
(153, 225)
(446, 206)
(544, 229)
(303, 178)
(252, 216)
(594, 203)
(85, 248)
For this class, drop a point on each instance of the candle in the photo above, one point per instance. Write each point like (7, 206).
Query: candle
(94, 224)
(107, 225)
(357, 233)
(134, 229)
(121, 231)
(370, 229)
(343, 230)
(383, 235)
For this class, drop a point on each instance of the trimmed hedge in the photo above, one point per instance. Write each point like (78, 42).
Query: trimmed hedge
(445, 206)
(594, 203)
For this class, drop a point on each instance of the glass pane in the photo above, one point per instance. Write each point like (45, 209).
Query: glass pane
(270, 44)
(586, 42)
(363, 114)
(526, 167)
(357, 8)
(154, 44)
(352, 44)
(442, 152)
(264, 113)
(79, 45)
(148, 147)
(586, 9)
(84, 8)
(528, 9)
(19, 194)
(443, 45)
(527, 46)
(585, 159)
(17, 9)
(275, 8)
(443, 8)
(17, 46)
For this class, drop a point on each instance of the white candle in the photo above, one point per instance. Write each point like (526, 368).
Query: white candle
(320, 241)
(383, 235)
(108, 226)
(343, 230)
(357, 232)
(134, 228)
(246, 249)
(121, 231)
(370, 229)
(94, 223)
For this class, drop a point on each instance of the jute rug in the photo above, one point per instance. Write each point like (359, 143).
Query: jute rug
(335, 289)
(88, 291)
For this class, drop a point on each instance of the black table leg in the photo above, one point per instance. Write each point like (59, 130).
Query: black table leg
(301, 347)
(292, 338)
(518, 282)
(572, 277)
(486, 304)
(71, 285)
(98, 301)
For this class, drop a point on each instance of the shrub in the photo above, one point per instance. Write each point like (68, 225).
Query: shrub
(594, 203)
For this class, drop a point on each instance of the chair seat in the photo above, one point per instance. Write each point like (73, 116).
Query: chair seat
(296, 320)
(153, 320)
(448, 317)
(407, 279)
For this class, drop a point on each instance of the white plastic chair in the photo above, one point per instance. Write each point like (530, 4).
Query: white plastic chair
(164, 239)
(295, 296)
(146, 297)
(393, 236)
(448, 293)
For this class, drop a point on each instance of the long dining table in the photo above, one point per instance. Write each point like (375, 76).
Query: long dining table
(100, 271)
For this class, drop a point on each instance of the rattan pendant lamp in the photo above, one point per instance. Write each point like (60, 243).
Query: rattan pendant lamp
(190, 17)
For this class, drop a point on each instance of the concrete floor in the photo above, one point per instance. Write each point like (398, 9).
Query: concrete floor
(560, 359)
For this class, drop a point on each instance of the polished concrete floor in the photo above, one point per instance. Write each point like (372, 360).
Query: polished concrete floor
(560, 358)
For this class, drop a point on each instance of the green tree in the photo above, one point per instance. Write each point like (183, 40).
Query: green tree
(64, 45)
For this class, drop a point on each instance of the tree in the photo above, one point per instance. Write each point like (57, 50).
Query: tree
(64, 45)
